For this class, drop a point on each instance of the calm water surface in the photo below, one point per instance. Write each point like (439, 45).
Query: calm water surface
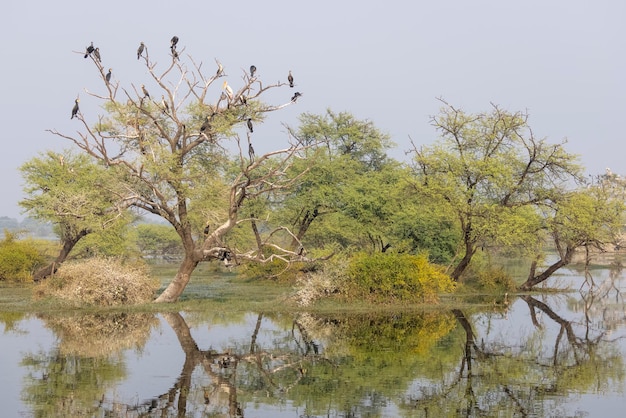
(559, 355)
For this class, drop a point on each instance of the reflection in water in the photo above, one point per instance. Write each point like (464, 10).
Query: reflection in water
(70, 379)
(527, 358)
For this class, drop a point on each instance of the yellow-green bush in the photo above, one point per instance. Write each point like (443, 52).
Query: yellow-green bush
(495, 279)
(393, 276)
(18, 258)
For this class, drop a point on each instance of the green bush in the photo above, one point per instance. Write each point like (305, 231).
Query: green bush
(495, 279)
(18, 258)
(393, 276)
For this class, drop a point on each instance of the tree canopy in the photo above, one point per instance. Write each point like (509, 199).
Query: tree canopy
(174, 155)
(487, 169)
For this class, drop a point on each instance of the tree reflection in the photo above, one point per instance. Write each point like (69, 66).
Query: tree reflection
(431, 363)
(525, 377)
(71, 379)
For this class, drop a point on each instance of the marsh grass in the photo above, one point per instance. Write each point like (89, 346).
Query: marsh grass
(223, 291)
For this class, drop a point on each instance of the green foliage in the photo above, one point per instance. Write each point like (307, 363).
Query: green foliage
(398, 277)
(493, 174)
(18, 258)
(495, 279)
(79, 197)
(158, 241)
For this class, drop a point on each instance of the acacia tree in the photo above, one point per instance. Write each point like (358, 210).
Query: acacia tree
(489, 169)
(76, 195)
(587, 219)
(175, 159)
(345, 197)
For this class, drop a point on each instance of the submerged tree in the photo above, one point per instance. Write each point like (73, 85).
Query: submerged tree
(174, 157)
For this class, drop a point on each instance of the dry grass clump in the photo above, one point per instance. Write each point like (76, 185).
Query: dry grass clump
(102, 282)
(322, 283)
(100, 335)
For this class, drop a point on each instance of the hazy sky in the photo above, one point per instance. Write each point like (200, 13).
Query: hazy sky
(387, 61)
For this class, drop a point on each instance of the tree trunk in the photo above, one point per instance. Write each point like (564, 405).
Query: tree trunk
(68, 245)
(470, 249)
(533, 280)
(305, 223)
(177, 286)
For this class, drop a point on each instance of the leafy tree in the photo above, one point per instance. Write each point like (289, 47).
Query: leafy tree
(588, 218)
(77, 195)
(487, 168)
(348, 196)
(158, 241)
(173, 155)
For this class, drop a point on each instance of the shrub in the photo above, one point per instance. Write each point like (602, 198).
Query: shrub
(393, 276)
(101, 281)
(18, 258)
(328, 280)
(495, 279)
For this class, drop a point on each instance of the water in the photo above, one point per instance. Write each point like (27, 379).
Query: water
(558, 355)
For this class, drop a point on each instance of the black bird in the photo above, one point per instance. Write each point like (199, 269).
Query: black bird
(173, 42)
(290, 79)
(96, 53)
(252, 71)
(250, 125)
(108, 76)
(206, 230)
(251, 152)
(205, 125)
(140, 50)
(145, 92)
(88, 50)
(75, 108)
(295, 96)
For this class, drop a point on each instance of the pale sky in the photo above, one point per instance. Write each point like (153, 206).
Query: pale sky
(386, 61)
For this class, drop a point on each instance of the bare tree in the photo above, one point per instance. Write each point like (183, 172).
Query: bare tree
(183, 159)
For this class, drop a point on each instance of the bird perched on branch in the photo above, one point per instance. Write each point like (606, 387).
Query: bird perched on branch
(88, 50)
(140, 50)
(251, 152)
(252, 71)
(107, 77)
(250, 125)
(290, 79)
(205, 125)
(228, 90)
(75, 108)
(166, 107)
(145, 91)
(220, 69)
(295, 96)
(96, 53)
(173, 42)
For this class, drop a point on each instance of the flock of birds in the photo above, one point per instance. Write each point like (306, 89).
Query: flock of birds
(95, 51)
